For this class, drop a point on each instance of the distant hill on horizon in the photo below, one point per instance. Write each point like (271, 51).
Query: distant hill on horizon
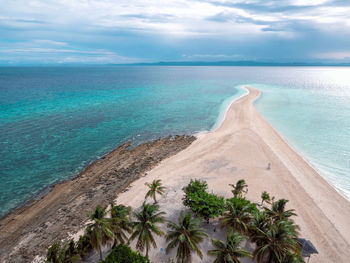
(234, 63)
(191, 63)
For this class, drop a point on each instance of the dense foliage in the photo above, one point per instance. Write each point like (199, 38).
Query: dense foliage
(201, 202)
(238, 214)
(124, 254)
(270, 228)
(62, 253)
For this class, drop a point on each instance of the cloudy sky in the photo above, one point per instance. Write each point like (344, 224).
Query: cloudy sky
(126, 31)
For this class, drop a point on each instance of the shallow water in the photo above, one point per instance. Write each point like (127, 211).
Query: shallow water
(55, 120)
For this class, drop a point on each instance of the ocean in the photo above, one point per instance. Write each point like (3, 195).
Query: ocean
(56, 120)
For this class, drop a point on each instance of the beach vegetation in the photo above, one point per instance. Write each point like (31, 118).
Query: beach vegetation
(265, 197)
(101, 229)
(229, 251)
(83, 245)
(239, 188)
(64, 252)
(155, 188)
(270, 227)
(124, 254)
(238, 214)
(276, 243)
(202, 203)
(278, 211)
(185, 236)
(146, 224)
(260, 222)
(196, 186)
(120, 223)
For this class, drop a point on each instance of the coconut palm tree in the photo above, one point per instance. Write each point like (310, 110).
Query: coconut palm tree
(146, 224)
(155, 188)
(229, 252)
(260, 222)
(276, 243)
(238, 215)
(62, 253)
(186, 235)
(101, 229)
(121, 223)
(278, 212)
(265, 197)
(240, 188)
(293, 258)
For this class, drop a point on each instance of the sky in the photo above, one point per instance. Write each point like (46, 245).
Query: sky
(129, 31)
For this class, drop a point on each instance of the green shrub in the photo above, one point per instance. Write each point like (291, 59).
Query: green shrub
(196, 186)
(201, 202)
(124, 254)
(241, 202)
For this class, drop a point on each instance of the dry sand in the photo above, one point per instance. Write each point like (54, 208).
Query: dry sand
(242, 147)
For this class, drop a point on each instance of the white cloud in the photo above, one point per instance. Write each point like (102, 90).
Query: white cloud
(91, 27)
(181, 17)
(308, 2)
(50, 42)
(340, 55)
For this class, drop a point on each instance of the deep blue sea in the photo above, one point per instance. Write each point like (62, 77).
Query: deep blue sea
(56, 120)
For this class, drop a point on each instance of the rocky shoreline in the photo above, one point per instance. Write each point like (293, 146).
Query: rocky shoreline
(27, 231)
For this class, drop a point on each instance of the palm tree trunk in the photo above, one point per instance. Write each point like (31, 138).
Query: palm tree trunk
(269, 258)
(101, 253)
(155, 199)
(114, 243)
(146, 251)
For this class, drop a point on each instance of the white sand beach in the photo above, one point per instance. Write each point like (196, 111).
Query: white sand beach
(241, 148)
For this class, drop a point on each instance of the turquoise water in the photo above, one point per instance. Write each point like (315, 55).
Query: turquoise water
(55, 120)
(317, 124)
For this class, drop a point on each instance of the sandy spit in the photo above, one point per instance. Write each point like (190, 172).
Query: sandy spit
(242, 147)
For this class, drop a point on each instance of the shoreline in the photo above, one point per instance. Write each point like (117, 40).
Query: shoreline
(223, 113)
(47, 189)
(27, 231)
(306, 159)
(240, 149)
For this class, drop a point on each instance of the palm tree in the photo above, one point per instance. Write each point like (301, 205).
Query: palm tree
(240, 188)
(147, 220)
(155, 188)
(101, 229)
(293, 258)
(260, 222)
(265, 197)
(238, 214)
(62, 253)
(121, 223)
(186, 235)
(278, 212)
(229, 252)
(276, 243)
